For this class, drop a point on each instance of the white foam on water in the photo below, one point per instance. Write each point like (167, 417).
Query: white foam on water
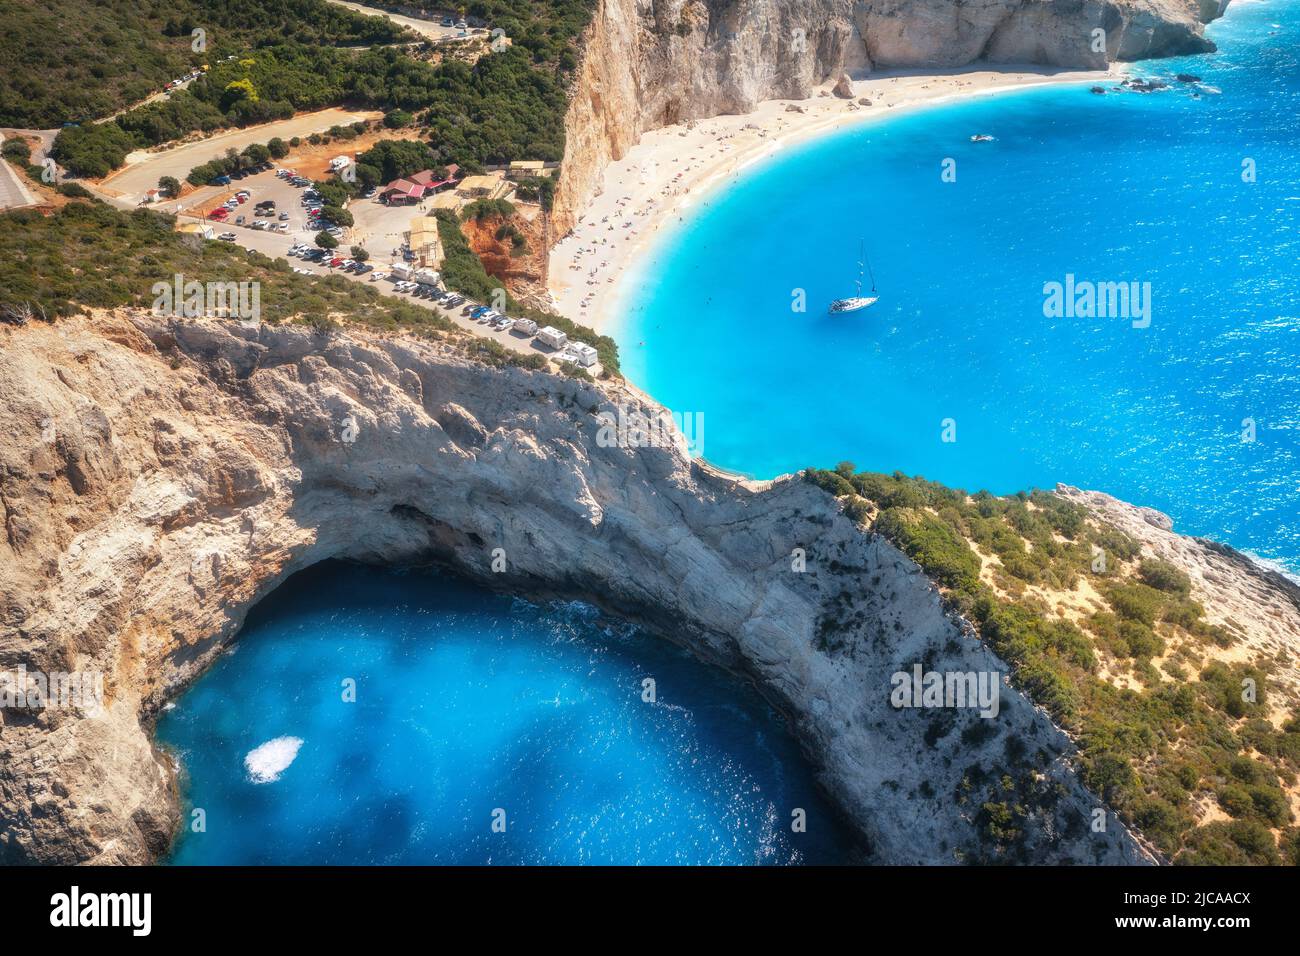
(265, 763)
(1268, 564)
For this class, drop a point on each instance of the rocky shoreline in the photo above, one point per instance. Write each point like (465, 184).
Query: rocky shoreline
(163, 477)
(646, 66)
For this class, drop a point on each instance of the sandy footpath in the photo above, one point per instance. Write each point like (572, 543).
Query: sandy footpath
(673, 168)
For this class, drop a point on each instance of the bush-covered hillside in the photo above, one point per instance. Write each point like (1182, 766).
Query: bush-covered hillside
(1118, 651)
(506, 105)
(545, 28)
(67, 61)
(92, 255)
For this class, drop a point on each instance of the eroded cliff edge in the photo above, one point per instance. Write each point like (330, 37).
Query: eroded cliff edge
(653, 63)
(159, 478)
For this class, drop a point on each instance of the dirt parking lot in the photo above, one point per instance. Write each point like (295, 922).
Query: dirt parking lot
(135, 180)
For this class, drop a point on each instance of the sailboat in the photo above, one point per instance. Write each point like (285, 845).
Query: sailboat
(859, 301)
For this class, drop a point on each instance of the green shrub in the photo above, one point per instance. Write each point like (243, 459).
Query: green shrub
(1135, 602)
(1164, 576)
(934, 545)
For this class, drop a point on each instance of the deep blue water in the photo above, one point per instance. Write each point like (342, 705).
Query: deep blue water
(467, 702)
(1120, 187)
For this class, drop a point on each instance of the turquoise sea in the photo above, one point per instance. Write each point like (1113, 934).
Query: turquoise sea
(1119, 187)
(467, 703)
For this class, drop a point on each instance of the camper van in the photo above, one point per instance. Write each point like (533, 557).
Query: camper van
(582, 353)
(552, 337)
(401, 271)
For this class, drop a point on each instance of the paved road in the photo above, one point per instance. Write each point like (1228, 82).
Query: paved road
(151, 98)
(277, 246)
(13, 193)
(432, 29)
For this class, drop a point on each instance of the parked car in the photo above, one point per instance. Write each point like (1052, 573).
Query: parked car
(220, 181)
(284, 217)
(227, 237)
(218, 213)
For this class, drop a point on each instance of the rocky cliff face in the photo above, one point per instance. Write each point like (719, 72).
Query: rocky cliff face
(159, 478)
(652, 63)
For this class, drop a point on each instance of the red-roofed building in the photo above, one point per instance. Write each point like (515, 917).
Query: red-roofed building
(413, 188)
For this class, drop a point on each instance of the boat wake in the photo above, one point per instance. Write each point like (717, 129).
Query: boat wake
(266, 763)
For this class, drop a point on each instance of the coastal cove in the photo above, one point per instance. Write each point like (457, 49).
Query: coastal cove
(329, 573)
(467, 702)
(1194, 414)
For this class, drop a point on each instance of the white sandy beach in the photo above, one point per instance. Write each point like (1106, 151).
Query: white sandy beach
(675, 167)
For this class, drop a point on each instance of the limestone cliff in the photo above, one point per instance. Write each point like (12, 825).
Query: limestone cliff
(159, 478)
(651, 63)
